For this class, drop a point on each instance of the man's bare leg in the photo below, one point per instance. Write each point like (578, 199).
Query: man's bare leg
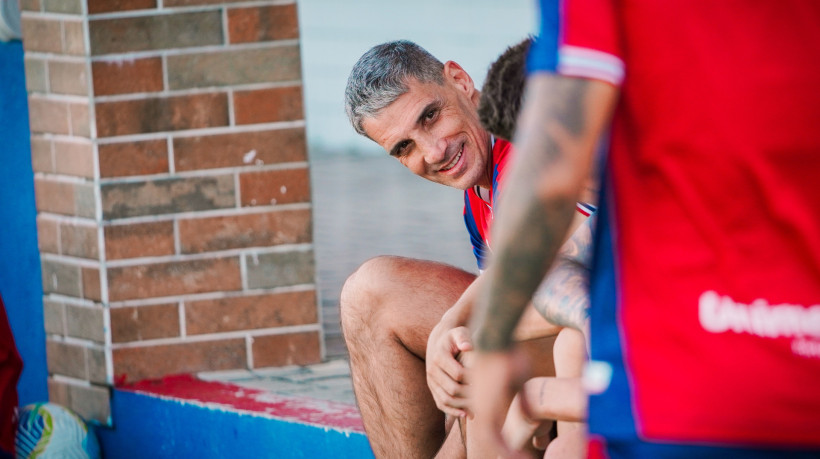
(388, 308)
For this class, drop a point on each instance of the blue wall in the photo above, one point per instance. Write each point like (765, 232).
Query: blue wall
(147, 426)
(20, 280)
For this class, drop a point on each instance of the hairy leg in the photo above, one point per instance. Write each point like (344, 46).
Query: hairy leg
(388, 308)
(570, 355)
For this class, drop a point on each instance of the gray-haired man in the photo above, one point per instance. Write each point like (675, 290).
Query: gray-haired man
(404, 319)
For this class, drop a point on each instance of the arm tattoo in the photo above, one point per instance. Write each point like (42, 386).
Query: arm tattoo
(563, 298)
(533, 224)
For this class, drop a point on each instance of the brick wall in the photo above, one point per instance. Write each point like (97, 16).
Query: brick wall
(172, 189)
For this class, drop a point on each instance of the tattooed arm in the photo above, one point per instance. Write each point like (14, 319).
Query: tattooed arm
(563, 297)
(559, 127)
(558, 130)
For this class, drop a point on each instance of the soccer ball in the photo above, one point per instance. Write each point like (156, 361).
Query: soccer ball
(48, 430)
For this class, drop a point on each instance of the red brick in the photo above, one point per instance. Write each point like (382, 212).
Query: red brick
(274, 187)
(85, 322)
(133, 158)
(250, 312)
(91, 284)
(48, 116)
(175, 278)
(41, 157)
(280, 350)
(154, 32)
(74, 158)
(136, 363)
(57, 392)
(54, 196)
(242, 231)
(139, 240)
(47, 235)
(127, 76)
(268, 105)
(266, 23)
(166, 196)
(79, 119)
(74, 34)
(40, 34)
(280, 269)
(234, 67)
(64, 198)
(36, 74)
(144, 322)
(63, 6)
(198, 2)
(54, 317)
(79, 241)
(161, 114)
(66, 359)
(240, 149)
(30, 5)
(111, 6)
(68, 78)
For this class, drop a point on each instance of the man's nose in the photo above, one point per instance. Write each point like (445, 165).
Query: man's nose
(435, 151)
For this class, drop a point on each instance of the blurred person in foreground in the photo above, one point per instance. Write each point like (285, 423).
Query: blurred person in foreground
(705, 307)
(404, 320)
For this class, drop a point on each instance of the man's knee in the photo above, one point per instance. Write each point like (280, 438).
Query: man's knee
(364, 290)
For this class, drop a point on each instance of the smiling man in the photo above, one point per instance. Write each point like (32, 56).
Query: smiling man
(404, 319)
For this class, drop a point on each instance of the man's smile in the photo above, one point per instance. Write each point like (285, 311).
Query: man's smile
(454, 161)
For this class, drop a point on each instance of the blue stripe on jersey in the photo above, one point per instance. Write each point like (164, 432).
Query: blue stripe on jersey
(544, 50)
(610, 413)
(480, 249)
(628, 450)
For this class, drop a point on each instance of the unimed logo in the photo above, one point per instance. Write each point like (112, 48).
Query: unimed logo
(720, 313)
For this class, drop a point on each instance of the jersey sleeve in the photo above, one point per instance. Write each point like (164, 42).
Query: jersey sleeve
(578, 38)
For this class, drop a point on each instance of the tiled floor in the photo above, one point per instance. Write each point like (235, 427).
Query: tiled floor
(363, 206)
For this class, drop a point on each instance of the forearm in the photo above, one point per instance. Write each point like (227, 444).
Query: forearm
(562, 399)
(563, 298)
(558, 130)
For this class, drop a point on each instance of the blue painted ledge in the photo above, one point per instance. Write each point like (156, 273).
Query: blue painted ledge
(181, 416)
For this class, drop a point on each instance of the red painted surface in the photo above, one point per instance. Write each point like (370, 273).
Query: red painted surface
(219, 395)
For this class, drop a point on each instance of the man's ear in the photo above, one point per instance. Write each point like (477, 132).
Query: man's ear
(457, 76)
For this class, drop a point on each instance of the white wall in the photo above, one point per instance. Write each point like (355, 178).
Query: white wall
(335, 33)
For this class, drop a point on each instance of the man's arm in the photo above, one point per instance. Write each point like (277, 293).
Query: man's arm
(563, 297)
(558, 130)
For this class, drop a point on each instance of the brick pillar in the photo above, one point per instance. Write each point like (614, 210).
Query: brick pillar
(172, 188)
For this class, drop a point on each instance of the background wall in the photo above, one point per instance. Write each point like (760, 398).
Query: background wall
(335, 34)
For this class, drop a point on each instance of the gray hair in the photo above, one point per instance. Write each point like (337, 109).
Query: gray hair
(380, 76)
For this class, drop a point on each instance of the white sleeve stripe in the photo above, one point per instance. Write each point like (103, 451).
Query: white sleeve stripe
(589, 63)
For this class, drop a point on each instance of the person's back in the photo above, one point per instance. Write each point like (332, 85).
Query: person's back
(715, 147)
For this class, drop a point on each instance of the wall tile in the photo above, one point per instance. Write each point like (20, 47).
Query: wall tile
(162, 31)
(127, 76)
(133, 158)
(161, 114)
(134, 364)
(144, 322)
(250, 312)
(280, 269)
(242, 231)
(240, 149)
(277, 22)
(274, 187)
(268, 105)
(139, 240)
(290, 349)
(233, 67)
(174, 278)
(164, 196)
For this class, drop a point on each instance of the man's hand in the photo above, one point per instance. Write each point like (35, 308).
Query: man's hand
(445, 373)
(495, 378)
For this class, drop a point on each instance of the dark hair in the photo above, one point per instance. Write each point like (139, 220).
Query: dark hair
(380, 76)
(503, 90)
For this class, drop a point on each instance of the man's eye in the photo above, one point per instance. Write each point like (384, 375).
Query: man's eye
(403, 147)
(430, 115)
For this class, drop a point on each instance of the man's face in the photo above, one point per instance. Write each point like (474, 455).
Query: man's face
(435, 131)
